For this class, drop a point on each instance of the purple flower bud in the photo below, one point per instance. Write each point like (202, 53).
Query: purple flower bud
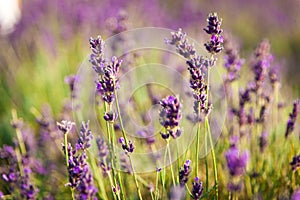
(65, 126)
(85, 137)
(197, 189)
(293, 117)
(295, 162)
(110, 116)
(236, 161)
(170, 115)
(184, 173)
(129, 147)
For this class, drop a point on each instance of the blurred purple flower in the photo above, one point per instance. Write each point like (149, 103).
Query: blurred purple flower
(236, 161)
(296, 195)
(177, 193)
(295, 162)
(85, 137)
(261, 62)
(293, 117)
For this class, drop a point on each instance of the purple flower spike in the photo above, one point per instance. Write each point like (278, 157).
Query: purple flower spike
(184, 173)
(295, 163)
(126, 147)
(197, 189)
(215, 45)
(236, 161)
(170, 116)
(296, 195)
(293, 117)
(65, 126)
(108, 82)
(97, 55)
(85, 137)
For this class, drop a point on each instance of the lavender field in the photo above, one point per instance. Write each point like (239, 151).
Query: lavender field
(150, 100)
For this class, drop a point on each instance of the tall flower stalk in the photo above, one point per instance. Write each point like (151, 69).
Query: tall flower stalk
(107, 86)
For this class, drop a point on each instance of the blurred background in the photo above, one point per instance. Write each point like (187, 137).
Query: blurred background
(42, 41)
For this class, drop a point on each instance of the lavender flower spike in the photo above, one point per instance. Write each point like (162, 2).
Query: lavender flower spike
(170, 115)
(184, 173)
(65, 126)
(295, 163)
(126, 147)
(179, 40)
(215, 45)
(97, 55)
(108, 82)
(197, 189)
(236, 161)
(85, 137)
(293, 117)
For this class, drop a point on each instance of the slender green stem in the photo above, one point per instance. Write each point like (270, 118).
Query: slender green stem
(99, 180)
(126, 142)
(107, 108)
(187, 188)
(197, 149)
(120, 118)
(213, 157)
(18, 133)
(66, 148)
(170, 161)
(156, 186)
(206, 158)
(135, 180)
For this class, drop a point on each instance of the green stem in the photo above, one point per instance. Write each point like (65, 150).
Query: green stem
(206, 158)
(107, 108)
(156, 186)
(18, 133)
(99, 180)
(197, 149)
(135, 180)
(213, 157)
(170, 161)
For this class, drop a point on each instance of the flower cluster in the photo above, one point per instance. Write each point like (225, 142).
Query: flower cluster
(170, 116)
(65, 126)
(180, 41)
(103, 152)
(127, 147)
(198, 84)
(215, 45)
(293, 117)
(197, 189)
(184, 173)
(80, 175)
(108, 82)
(261, 62)
(18, 178)
(295, 163)
(85, 137)
(236, 163)
(232, 62)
